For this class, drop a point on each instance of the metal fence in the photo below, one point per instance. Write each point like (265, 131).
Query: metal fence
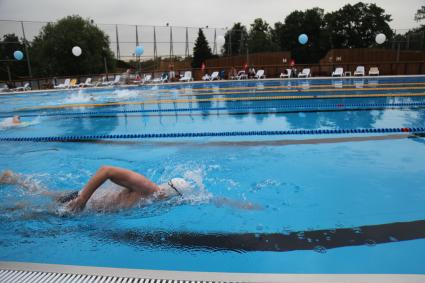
(158, 41)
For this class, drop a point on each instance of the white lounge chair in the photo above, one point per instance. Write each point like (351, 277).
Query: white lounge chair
(87, 83)
(374, 71)
(147, 78)
(305, 73)
(23, 88)
(214, 76)
(360, 71)
(4, 87)
(187, 77)
(64, 85)
(260, 74)
(114, 82)
(287, 75)
(339, 72)
(162, 79)
(206, 77)
(241, 75)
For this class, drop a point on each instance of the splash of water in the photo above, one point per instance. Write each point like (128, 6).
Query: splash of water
(79, 97)
(123, 94)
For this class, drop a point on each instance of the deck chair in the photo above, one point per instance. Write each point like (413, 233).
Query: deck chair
(339, 72)
(360, 71)
(87, 83)
(73, 83)
(305, 73)
(287, 75)
(164, 78)
(23, 88)
(206, 77)
(241, 75)
(214, 76)
(4, 87)
(373, 71)
(116, 81)
(147, 79)
(260, 74)
(187, 77)
(65, 84)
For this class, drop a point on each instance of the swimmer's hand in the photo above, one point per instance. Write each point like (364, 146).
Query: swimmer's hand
(76, 205)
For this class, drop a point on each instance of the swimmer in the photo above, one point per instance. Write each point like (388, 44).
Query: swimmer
(125, 189)
(11, 122)
(16, 120)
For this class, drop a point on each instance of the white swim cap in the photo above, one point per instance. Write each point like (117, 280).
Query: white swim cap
(180, 184)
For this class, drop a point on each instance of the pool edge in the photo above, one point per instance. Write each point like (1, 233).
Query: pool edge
(208, 276)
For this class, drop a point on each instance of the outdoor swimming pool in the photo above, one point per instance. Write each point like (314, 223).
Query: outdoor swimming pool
(330, 202)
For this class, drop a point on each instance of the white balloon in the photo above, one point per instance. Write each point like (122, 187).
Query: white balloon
(76, 50)
(220, 40)
(380, 38)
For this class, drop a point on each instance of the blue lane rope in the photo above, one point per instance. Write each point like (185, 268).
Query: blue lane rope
(336, 106)
(212, 134)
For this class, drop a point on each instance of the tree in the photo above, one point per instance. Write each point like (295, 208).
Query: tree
(201, 50)
(8, 46)
(51, 49)
(259, 38)
(310, 22)
(420, 14)
(356, 26)
(235, 40)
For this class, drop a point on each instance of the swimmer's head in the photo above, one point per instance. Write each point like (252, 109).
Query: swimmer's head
(16, 119)
(176, 186)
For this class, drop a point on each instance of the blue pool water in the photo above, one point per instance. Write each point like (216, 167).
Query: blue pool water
(327, 206)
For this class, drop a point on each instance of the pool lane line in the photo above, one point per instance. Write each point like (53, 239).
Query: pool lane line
(213, 134)
(177, 114)
(301, 91)
(281, 142)
(314, 240)
(258, 98)
(299, 107)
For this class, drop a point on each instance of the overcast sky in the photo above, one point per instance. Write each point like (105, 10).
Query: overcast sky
(192, 13)
(217, 13)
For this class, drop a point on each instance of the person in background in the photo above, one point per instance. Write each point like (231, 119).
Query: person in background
(251, 73)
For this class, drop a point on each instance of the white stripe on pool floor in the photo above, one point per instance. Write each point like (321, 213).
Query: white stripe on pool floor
(18, 272)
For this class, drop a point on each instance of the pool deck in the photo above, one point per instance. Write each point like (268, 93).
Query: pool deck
(12, 272)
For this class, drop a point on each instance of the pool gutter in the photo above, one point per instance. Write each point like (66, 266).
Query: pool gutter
(34, 272)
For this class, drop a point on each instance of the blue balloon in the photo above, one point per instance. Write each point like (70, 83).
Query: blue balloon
(303, 38)
(139, 50)
(18, 55)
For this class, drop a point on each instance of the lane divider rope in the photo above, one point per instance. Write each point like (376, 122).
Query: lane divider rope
(212, 134)
(337, 106)
(218, 99)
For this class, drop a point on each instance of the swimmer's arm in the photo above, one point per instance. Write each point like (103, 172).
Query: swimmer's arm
(222, 201)
(128, 179)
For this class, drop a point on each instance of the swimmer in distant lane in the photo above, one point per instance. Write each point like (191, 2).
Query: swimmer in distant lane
(125, 189)
(16, 120)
